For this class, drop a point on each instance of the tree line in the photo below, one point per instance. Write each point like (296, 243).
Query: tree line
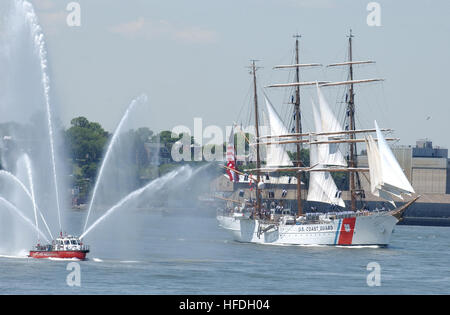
(149, 154)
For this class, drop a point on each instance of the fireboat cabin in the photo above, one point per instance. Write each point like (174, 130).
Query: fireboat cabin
(63, 247)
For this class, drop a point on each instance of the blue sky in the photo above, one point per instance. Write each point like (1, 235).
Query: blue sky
(190, 58)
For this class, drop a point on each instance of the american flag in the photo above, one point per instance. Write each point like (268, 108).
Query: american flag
(231, 159)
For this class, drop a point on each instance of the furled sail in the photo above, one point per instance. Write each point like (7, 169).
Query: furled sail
(386, 176)
(322, 187)
(276, 154)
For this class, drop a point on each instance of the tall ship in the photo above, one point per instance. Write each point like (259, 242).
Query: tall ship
(331, 149)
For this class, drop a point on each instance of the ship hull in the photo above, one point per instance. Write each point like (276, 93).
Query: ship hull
(63, 254)
(374, 229)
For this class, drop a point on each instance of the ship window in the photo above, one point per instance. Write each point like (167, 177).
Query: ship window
(73, 242)
(66, 242)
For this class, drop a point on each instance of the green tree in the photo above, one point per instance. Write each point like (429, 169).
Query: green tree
(168, 139)
(86, 141)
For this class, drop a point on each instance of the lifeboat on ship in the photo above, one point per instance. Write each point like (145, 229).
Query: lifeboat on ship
(66, 247)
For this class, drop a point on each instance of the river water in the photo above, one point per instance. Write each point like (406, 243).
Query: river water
(183, 251)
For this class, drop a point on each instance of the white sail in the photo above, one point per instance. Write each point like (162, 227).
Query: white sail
(394, 180)
(322, 187)
(276, 154)
(386, 176)
(386, 196)
(373, 157)
(329, 154)
(375, 171)
(321, 155)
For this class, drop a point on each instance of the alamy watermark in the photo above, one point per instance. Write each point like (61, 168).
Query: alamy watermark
(73, 279)
(374, 16)
(374, 277)
(208, 143)
(74, 17)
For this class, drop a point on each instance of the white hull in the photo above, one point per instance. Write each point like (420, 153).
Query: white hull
(375, 229)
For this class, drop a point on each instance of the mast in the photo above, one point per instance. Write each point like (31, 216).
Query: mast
(258, 161)
(297, 112)
(352, 162)
(351, 117)
(298, 126)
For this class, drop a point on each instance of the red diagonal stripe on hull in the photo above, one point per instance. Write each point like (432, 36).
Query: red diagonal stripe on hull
(347, 229)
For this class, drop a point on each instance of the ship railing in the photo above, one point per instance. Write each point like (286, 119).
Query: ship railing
(84, 247)
(43, 247)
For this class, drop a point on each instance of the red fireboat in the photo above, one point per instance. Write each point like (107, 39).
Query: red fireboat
(67, 246)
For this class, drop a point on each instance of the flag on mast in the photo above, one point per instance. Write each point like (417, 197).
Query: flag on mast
(231, 158)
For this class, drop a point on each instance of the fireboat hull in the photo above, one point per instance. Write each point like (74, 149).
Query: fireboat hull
(64, 254)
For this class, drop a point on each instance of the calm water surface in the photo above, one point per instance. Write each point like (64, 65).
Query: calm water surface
(185, 252)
